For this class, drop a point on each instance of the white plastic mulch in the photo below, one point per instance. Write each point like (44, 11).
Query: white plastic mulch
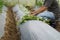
(37, 30)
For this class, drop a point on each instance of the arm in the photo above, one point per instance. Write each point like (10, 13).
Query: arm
(41, 9)
(47, 4)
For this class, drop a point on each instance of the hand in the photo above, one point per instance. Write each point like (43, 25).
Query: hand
(34, 13)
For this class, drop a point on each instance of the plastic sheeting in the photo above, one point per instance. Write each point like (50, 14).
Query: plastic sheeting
(37, 30)
(2, 20)
(2, 23)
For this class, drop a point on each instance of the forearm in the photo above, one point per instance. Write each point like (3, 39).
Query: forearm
(41, 9)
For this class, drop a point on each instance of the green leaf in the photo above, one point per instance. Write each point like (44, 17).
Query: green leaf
(39, 3)
(1, 5)
(29, 17)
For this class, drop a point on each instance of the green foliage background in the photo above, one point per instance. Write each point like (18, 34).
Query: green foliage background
(1, 5)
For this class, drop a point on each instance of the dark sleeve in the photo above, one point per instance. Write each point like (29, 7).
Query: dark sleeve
(48, 3)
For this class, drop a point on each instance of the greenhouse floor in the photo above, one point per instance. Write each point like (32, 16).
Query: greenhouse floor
(58, 27)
